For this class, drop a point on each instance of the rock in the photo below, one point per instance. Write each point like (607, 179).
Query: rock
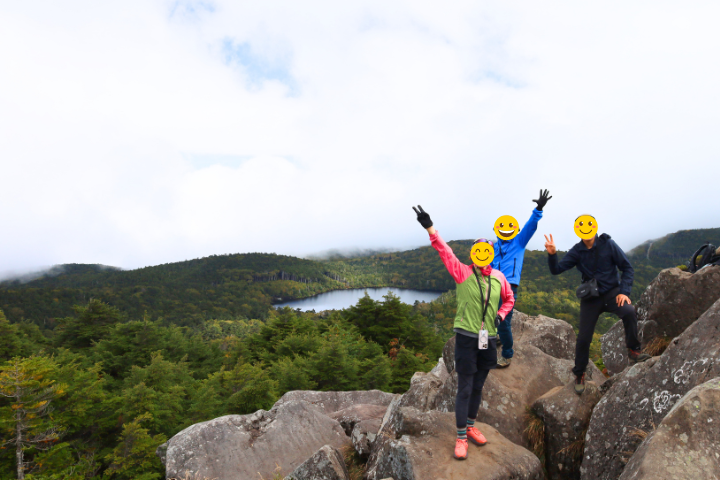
(566, 416)
(552, 336)
(686, 444)
(670, 304)
(351, 416)
(644, 393)
(506, 394)
(245, 446)
(363, 436)
(423, 446)
(326, 464)
(330, 402)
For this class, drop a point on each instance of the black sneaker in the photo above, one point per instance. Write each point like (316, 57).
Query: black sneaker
(580, 384)
(636, 356)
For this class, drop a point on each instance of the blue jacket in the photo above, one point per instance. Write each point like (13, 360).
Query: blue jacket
(509, 255)
(610, 257)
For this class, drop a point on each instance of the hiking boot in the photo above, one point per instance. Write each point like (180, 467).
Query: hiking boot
(503, 362)
(461, 449)
(636, 356)
(474, 435)
(580, 384)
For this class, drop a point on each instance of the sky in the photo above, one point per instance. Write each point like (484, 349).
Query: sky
(138, 133)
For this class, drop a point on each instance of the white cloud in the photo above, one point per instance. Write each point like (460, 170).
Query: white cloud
(340, 117)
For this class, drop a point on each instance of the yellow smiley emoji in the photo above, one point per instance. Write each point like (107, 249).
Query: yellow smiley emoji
(506, 227)
(482, 253)
(586, 227)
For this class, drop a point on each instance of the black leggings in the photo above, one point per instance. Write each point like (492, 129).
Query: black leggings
(469, 395)
(590, 310)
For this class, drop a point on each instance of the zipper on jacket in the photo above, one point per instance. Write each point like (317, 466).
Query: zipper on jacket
(514, 263)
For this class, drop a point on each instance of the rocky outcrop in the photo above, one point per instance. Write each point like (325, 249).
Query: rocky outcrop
(552, 336)
(422, 449)
(670, 304)
(241, 446)
(506, 394)
(361, 423)
(565, 416)
(326, 464)
(686, 444)
(642, 396)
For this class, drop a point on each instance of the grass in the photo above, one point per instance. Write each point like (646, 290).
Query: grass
(535, 432)
(657, 346)
(355, 466)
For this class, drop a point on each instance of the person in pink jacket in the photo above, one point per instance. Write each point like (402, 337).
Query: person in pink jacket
(479, 291)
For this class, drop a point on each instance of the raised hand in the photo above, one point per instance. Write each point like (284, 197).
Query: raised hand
(550, 245)
(423, 217)
(542, 200)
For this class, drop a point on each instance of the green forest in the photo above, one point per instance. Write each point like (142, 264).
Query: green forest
(100, 366)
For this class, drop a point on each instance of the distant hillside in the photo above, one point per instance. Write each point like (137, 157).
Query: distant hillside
(673, 249)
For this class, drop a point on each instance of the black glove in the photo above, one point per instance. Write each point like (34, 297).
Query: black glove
(542, 200)
(498, 319)
(423, 217)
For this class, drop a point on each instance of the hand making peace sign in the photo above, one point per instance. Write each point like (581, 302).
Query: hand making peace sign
(550, 245)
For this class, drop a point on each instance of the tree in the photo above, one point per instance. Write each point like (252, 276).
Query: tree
(134, 457)
(10, 343)
(90, 324)
(28, 383)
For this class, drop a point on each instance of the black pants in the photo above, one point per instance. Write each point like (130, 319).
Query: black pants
(590, 311)
(472, 366)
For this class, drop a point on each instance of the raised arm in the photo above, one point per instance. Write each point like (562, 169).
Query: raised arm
(459, 271)
(568, 261)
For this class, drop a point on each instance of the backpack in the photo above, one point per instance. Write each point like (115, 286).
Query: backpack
(705, 255)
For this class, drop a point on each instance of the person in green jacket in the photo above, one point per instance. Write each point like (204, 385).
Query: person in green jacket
(480, 289)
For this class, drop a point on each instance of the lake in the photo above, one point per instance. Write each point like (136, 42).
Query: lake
(339, 299)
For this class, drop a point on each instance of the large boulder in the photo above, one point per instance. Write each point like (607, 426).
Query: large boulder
(361, 422)
(326, 464)
(552, 336)
(330, 402)
(506, 394)
(422, 449)
(686, 444)
(241, 446)
(565, 416)
(641, 397)
(670, 304)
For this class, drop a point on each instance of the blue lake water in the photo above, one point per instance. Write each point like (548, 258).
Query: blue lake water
(338, 299)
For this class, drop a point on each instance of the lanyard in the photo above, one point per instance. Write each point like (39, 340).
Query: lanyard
(487, 301)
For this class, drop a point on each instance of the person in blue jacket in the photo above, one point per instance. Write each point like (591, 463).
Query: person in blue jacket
(509, 256)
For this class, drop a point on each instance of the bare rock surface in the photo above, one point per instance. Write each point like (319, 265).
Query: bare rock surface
(566, 416)
(364, 434)
(644, 394)
(330, 402)
(351, 416)
(243, 446)
(552, 336)
(325, 464)
(422, 449)
(671, 303)
(686, 444)
(506, 394)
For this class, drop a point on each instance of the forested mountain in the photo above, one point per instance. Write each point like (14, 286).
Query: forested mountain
(673, 249)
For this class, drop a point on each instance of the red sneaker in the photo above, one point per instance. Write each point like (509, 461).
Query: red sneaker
(461, 449)
(475, 436)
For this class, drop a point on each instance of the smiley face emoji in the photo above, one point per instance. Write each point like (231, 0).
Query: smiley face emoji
(482, 253)
(586, 227)
(506, 227)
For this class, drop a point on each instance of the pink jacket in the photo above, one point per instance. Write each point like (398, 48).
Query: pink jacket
(460, 272)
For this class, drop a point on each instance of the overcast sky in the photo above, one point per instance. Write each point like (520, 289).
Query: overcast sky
(136, 133)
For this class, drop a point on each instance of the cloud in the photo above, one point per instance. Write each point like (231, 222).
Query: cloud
(147, 132)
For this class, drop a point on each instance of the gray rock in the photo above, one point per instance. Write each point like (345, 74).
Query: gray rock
(506, 394)
(566, 416)
(326, 464)
(670, 304)
(645, 393)
(330, 402)
(364, 434)
(423, 446)
(686, 444)
(243, 446)
(552, 336)
(351, 416)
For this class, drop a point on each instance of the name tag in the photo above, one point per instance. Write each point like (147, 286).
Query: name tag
(483, 340)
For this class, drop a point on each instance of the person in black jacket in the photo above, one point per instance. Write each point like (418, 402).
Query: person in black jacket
(599, 257)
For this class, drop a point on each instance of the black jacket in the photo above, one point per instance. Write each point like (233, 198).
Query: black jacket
(609, 256)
